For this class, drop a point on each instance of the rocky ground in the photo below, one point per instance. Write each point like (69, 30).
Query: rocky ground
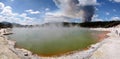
(8, 51)
(110, 49)
(106, 49)
(5, 52)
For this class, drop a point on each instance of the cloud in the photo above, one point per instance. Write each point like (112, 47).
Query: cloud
(55, 17)
(115, 18)
(11, 0)
(68, 8)
(116, 0)
(23, 15)
(88, 2)
(107, 13)
(7, 10)
(114, 10)
(110, 0)
(6, 14)
(96, 9)
(32, 12)
(2, 5)
(51, 18)
(47, 9)
(95, 18)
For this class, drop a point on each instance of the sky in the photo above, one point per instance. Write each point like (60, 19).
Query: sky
(42, 11)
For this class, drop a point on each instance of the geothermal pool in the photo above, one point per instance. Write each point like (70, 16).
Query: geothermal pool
(50, 41)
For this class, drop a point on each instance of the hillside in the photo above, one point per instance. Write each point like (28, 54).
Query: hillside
(5, 25)
(97, 24)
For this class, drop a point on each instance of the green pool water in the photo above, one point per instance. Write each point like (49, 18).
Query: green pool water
(52, 41)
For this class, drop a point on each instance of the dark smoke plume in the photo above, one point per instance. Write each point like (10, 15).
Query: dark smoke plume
(77, 8)
(88, 13)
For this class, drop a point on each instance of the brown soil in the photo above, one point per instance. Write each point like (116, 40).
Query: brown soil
(102, 36)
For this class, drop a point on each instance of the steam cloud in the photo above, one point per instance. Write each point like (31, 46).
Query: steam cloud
(83, 9)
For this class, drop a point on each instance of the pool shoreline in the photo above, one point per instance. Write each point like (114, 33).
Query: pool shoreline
(76, 54)
(72, 40)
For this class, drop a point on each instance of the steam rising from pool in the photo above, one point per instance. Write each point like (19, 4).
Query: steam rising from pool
(49, 41)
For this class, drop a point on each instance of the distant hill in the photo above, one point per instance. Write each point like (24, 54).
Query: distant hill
(17, 25)
(5, 25)
(104, 24)
(96, 24)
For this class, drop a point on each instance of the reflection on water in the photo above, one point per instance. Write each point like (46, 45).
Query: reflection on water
(53, 41)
